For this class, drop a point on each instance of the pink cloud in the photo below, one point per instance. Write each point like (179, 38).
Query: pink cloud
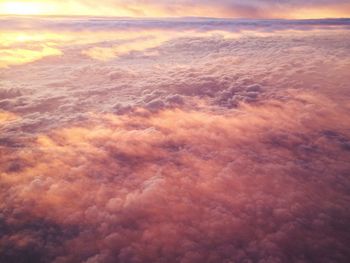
(184, 186)
(217, 145)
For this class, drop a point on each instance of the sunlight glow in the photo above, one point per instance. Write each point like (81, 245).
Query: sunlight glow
(19, 56)
(154, 8)
(25, 8)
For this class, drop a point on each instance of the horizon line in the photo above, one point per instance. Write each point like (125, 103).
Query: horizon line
(166, 17)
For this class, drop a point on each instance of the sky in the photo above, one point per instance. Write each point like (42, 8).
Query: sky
(293, 9)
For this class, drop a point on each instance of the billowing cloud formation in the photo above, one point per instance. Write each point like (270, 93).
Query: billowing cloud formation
(167, 8)
(266, 184)
(179, 140)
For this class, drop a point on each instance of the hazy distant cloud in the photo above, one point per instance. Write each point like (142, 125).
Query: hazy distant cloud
(96, 69)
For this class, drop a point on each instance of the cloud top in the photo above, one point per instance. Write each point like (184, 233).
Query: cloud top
(175, 140)
(183, 186)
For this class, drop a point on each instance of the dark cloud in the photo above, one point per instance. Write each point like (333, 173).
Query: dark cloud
(9, 93)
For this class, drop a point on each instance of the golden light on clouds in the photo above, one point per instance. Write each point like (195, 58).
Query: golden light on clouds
(18, 56)
(317, 12)
(33, 45)
(6, 117)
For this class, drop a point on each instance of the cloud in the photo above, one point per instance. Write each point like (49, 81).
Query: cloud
(183, 186)
(32, 39)
(186, 63)
(9, 93)
(12, 56)
(6, 116)
(226, 142)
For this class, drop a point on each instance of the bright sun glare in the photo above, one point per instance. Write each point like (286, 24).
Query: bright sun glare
(23, 8)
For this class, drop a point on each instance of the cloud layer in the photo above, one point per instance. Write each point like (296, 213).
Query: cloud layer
(266, 184)
(175, 140)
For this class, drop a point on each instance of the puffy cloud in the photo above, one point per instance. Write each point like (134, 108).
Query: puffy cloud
(9, 93)
(61, 89)
(214, 145)
(183, 186)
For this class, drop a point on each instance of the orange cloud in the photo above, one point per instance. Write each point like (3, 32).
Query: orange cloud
(7, 116)
(135, 184)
